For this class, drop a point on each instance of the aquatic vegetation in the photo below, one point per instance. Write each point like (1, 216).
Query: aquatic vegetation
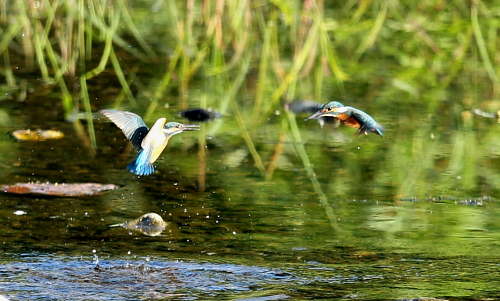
(213, 38)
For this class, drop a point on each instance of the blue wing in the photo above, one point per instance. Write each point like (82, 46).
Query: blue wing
(131, 124)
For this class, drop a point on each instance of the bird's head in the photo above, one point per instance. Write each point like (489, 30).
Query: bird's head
(173, 128)
(330, 109)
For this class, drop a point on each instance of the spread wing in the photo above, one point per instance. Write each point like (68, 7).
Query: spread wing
(131, 124)
(366, 122)
(304, 106)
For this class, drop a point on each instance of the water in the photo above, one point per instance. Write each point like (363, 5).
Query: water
(347, 232)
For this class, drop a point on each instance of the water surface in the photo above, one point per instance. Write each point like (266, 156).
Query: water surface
(340, 227)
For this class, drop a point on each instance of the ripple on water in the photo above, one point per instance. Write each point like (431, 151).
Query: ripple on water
(77, 279)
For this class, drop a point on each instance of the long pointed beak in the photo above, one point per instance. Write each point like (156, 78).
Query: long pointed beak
(190, 127)
(315, 115)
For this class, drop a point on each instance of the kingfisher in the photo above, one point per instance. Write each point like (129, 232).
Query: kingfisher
(150, 143)
(349, 116)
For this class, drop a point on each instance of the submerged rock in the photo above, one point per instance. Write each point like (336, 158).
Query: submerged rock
(63, 190)
(150, 224)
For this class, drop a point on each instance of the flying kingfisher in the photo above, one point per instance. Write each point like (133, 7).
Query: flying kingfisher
(149, 143)
(349, 116)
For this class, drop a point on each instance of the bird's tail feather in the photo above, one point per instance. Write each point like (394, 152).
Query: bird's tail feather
(140, 170)
(141, 166)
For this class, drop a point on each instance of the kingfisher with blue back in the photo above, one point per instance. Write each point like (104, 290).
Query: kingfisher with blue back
(150, 143)
(349, 116)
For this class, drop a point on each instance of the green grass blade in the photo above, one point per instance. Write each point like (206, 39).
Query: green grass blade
(88, 110)
(482, 46)
(121, 77)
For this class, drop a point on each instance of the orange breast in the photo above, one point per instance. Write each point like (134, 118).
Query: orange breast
(348, 120)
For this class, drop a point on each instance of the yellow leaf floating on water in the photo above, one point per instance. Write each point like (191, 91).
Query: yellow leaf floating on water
(38, 135)
(71, 190)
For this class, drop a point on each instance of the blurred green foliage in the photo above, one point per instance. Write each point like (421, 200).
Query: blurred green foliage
(393, 48)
